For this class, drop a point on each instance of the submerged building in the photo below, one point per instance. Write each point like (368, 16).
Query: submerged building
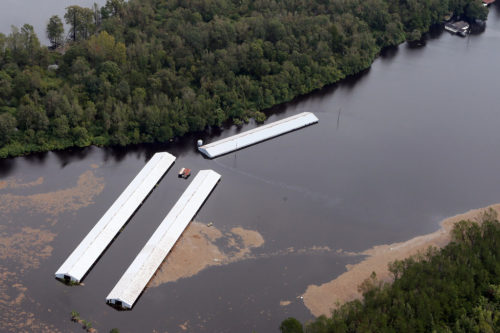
(258, 134)
(142, 269)
(102, 234)
(458, 27)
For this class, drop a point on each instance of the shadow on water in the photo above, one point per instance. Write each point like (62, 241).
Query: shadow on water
(435, 32)
(389, 53)
(495, 7)
(7, 165)
(347, 85)
(65, 157)
(36, 158)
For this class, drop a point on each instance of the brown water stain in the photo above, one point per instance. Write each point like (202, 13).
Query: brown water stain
(249, 239)
(24, 248)
(323, 298)
(285, 303)
(27, 248)
(21, 251)
(200, 247)
(13, 297)
(56, 202)
(15, 183)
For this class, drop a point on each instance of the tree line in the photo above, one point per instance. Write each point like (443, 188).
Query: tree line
(150, 70)
(455, 289)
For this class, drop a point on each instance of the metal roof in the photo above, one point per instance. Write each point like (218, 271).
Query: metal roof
(97, 240)
(138, 274)
(258, 134)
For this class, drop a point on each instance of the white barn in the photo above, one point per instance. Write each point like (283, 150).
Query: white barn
(258, 134)
(97, 240)
(140, 271)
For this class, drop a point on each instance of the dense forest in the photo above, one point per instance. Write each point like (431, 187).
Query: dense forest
(455, 289)
(151, 70)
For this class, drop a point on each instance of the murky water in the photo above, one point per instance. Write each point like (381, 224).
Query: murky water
(396, 149)
(36, 13)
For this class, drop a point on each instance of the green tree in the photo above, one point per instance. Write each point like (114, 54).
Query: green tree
(30, 41)
(24, 45)
(454, 289)
(114, 7)
(81, 22)
(31, 116)
(7, 128)
(150, 70)
(55, 32)
(291, 325)
(102, 47)
(475, 9)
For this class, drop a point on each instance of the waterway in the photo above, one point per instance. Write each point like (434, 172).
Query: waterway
(397, 148)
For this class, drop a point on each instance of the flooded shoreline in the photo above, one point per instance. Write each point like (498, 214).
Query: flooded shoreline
(321, 299)
(396, 150)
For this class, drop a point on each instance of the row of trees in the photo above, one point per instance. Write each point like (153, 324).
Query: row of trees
(144, 71)
(456, 289)
(83, 22)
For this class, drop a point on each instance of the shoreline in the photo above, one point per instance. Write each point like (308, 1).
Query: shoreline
(320, 300)
(57, 146)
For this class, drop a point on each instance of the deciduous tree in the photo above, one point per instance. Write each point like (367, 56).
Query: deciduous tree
(81, 22)
(55, 32)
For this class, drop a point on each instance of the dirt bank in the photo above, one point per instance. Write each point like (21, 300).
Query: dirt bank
(321, 299)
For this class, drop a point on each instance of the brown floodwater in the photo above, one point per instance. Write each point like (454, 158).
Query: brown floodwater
(397, 149)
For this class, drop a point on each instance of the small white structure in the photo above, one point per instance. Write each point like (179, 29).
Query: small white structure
(138, 274)
(98, 239)
(459, 27)
(258, 134)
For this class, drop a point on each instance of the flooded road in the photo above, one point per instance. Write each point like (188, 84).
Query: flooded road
(397, 149)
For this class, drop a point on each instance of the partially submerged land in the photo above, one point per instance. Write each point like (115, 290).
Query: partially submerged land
(322, 299)
(455, 288)
(148, 71)
(201, 246)
(24, 248)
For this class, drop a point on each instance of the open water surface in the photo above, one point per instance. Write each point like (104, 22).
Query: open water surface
(397, 149)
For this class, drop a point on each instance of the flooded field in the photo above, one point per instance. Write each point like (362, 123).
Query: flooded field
(396, 150)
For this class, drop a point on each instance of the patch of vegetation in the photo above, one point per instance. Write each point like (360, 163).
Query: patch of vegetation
(150, 70)
(86, 325)
(75, 316)
(455, 289)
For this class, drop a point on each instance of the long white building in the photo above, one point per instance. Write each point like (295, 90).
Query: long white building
(138, 274)
(97, 240)
(258, 134)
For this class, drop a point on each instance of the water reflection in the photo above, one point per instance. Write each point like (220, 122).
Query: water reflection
(389, 53)
(7, 165)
